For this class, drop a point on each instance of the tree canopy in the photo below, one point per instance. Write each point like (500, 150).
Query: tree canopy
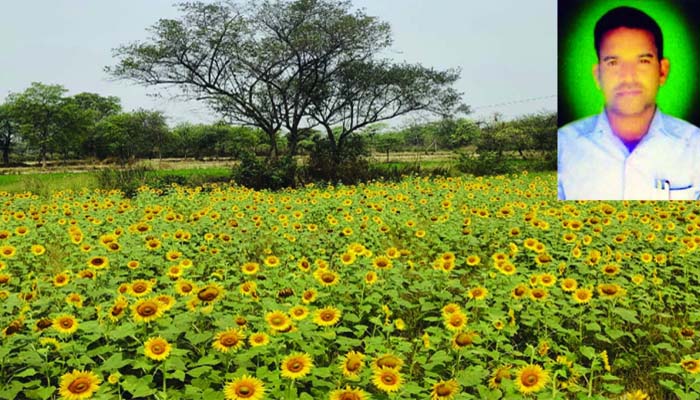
(285, 65)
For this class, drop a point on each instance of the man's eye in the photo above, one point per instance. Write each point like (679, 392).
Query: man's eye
(645, 61)
(612, 63)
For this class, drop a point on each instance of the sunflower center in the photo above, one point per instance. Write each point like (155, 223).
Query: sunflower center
(352, 365)
(277, 321)
(327, 316)
(529, 380)
(139, 288)
(66, 323)
(443, 391)
(388, 379)
(328, 277)
(229, 341)
(208, 294)
(463, 339)
(349, 396)
(245, 391)
(97, 261)
(295, 366)
(79, 385)
(146, 310)
(157, 349)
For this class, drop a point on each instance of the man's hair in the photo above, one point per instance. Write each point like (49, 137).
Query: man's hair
(628, 17)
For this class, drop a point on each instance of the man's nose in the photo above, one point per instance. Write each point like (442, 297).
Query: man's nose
(628, 70)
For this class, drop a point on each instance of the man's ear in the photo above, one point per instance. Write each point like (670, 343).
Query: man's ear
(664, 69)
(596, 74)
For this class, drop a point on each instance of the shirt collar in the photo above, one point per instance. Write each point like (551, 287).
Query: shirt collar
(657, 126)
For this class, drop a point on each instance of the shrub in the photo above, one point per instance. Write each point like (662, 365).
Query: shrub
(484, 163)
(265, 174)
(126, 179)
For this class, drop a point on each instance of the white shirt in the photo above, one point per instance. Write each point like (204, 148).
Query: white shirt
(594, 164)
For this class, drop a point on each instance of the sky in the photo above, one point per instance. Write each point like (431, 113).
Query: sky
(506, 49)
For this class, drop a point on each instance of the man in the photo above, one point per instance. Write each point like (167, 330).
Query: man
(631, 150)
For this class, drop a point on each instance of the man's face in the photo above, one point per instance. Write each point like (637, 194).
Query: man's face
(629, 71)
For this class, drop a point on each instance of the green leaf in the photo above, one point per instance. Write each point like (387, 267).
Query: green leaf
(179, 375)
(114, 362)
(587, 351)
(627, 315)
(593, 327)
(615, 334)
(27, 372)
(613, 388)
(208, 360)
(199, 371)
(42, 393)
(138, 386)
(472, 376)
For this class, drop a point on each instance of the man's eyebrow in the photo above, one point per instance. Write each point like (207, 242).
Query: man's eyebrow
(646, 55)
(608, 58)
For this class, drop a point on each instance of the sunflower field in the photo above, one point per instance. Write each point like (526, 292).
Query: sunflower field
(446, 288)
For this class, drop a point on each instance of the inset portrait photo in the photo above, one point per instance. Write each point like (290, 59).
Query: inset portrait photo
(629, 100)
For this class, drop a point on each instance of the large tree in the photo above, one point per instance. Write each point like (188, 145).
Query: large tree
(9, 132)
(39, 110)
(270, 64)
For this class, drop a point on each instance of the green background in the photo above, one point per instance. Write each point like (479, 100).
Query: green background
(578, 95)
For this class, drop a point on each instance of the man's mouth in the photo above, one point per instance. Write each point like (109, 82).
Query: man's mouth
(629, 92)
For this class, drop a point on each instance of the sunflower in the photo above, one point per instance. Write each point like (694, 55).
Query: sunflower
(184, 287)
(65, 324)
(387, 379)
(298, 312)
(582, 295)
(61, 279)
(450, 309)
(153, 244)
(166, 300)
(304, 264)
(371, 277)
(296, 365)
(250, 268)
(499, 375)
(610, 269)
(278, 321)
(210, 293)
(473, 260)
(610, 290)
(382, 262)
(636, 395)
(147, 310)
(38, 249)
(245, 388)
(531, 378)
(538, 294)
(351, 363)
(74, 299)
(272, 261)
(140, 288)
(444, 390)
(231, 339)
(327, 316)
(258, 339)
(455, 321)
(463, 339)
(309, 296)
(347, 258)
(387, 361)
(98, 262)
(8, 251)
(248, 288)
(133, 264)
(173, 255)
(348, 394)
(157, 348)
(78, 385)
(691, 366)
(477, 293)
(117, 310)
(326, 277)
(569, 284)
(547, 279)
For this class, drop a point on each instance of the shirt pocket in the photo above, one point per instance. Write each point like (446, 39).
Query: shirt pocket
(686, 192)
